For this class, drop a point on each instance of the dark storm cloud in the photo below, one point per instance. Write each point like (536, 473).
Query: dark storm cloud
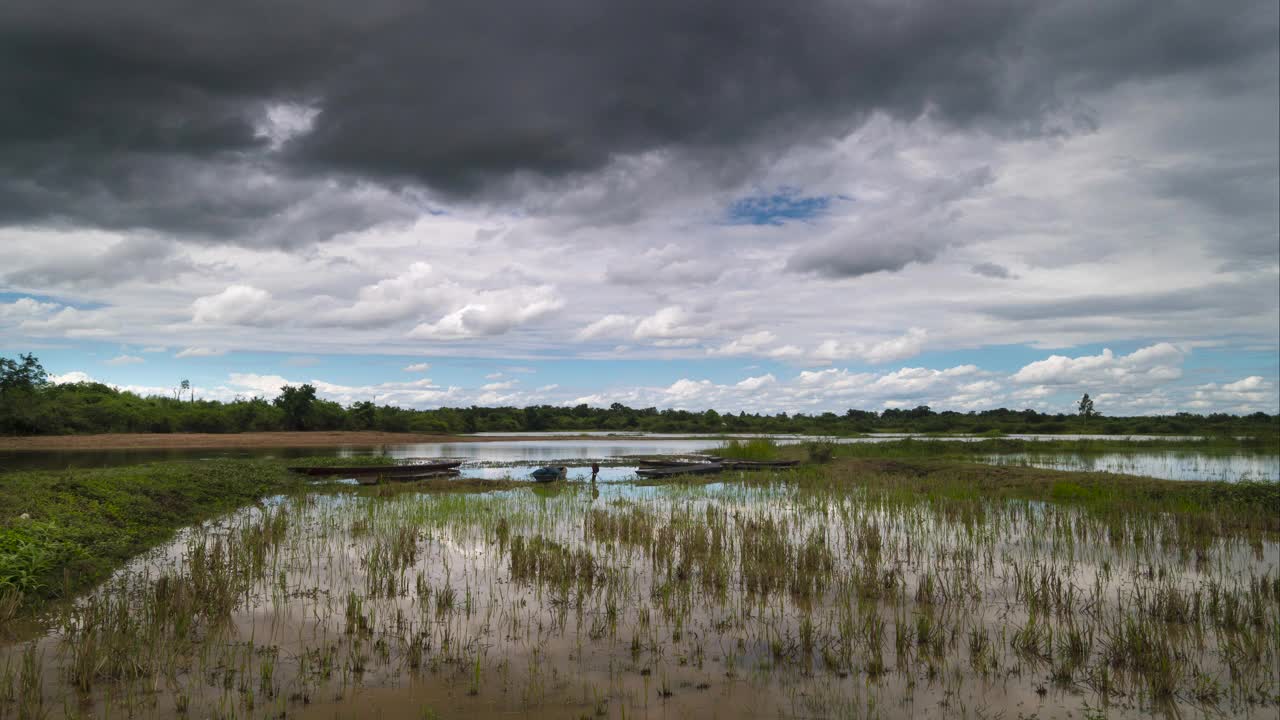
(991, 270)
(1241, 200)
(911, 226)
(863, 256)
(108, 104)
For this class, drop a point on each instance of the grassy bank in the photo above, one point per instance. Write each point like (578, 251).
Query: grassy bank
(63, 531)
(248, 440)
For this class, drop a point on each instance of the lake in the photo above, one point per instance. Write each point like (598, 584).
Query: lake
(501, 458)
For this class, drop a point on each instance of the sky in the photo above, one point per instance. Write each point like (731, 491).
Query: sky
(742, 205)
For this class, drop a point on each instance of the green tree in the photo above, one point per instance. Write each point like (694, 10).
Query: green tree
(21, 383)
(25, 374)
(1085, 407)
(296, 403)
(363, 414)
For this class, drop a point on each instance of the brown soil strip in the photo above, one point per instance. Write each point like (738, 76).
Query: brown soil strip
(138, 441)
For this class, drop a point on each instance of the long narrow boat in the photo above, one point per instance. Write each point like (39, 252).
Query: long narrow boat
(358, 470)
(756, 464)
(667, 462)
(421, 476)
(673, 470)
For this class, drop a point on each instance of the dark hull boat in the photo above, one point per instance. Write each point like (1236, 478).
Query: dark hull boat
(421, 476)
(686, 469)
(376, 470)
(756, 464)
(667, 462)
(400, 478)
(549, 474)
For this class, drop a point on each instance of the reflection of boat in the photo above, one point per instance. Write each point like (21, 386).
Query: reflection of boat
(384, 470)
(550, 489)
(686, 469)
(549, 474)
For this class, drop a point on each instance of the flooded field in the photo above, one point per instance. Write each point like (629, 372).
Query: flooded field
(1173, 465)
(521, 456)
(795, 594)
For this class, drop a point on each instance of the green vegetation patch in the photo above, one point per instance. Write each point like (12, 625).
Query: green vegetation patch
(752, 449)
(62, 531)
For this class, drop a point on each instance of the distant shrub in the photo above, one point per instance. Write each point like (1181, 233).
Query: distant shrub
(820, 451)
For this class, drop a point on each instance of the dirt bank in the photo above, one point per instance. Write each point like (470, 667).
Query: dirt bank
(127, 441)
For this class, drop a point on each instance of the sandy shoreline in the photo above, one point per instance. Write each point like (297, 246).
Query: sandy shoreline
(138, 441)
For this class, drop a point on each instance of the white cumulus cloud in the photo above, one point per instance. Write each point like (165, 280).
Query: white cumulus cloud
(237, 305)
(1146, 367)
(881, 351)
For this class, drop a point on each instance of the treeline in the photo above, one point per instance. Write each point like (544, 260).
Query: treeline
(31, 405)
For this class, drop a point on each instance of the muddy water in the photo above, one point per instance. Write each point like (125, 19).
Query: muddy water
(715, 601)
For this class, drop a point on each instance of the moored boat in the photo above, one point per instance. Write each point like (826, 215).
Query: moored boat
(386, 470)
(667, 462)
(688, 469)
(549, 474)
(756, 464)
(421, 476)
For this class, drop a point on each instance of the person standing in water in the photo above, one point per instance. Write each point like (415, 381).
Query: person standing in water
(595, 470)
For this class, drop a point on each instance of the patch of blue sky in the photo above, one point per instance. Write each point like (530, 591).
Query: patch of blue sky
(994, 358)
(1231, 362)
(161, 369)
(581, 377)
(786, 205)
(10, 297)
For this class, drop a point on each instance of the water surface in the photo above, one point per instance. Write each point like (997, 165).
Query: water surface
(716, 601)
(515, 458)
(1170, 465)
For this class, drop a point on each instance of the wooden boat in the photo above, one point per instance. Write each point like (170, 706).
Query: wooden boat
(397, 477)
(421, 476)
(669, 462)
(359, 470)
(756, 464)
(549, 474)
(689, 469)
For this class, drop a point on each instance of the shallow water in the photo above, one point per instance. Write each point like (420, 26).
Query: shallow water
(1171, 465)
(530, 451)
(710, 601)
(604, 447)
